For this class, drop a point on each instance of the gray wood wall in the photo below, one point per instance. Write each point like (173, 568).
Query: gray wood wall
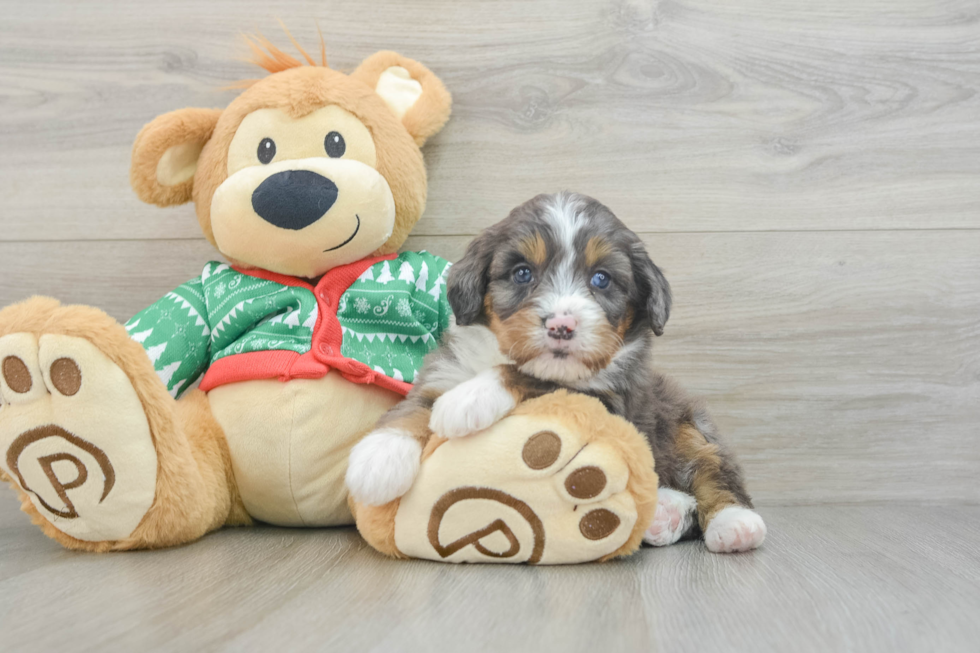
(806, 174)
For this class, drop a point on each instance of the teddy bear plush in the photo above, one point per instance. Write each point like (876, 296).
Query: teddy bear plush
(559, 480)
(237, 396)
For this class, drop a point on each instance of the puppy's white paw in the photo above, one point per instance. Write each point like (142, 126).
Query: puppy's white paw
(675, 515)
(735, 529)
(471, 406)
(383, 466)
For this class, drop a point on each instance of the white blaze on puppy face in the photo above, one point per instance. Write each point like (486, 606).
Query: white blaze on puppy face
(564, 292)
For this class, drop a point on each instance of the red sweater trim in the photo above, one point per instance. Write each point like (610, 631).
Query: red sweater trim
(324, 353)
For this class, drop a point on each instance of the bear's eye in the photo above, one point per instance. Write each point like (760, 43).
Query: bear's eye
(334, 145)
(267, 150)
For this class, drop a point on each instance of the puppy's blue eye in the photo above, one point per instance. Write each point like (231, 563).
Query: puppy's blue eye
(600, 280)
(522, 275)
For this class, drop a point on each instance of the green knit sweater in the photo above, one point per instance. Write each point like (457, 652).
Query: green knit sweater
(373, 321)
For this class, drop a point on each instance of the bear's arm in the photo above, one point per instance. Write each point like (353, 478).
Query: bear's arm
(176, 336)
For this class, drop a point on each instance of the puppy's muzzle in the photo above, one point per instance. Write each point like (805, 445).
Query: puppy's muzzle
(294, 199)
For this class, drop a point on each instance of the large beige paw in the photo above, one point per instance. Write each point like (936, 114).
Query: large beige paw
(74, 437)
(551, 484)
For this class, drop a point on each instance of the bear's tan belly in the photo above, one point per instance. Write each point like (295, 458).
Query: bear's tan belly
(289, 443)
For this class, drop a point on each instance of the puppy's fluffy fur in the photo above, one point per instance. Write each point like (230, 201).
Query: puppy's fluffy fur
(561, 294)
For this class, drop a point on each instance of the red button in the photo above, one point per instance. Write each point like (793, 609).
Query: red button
(326, 349)
(326, 300)
(363, 377)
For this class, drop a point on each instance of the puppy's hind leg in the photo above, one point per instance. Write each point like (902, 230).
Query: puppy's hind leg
(675, 516)
(724, 508)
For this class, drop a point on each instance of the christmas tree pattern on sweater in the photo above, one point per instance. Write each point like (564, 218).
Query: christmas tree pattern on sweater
(391, 316)
(394, 313)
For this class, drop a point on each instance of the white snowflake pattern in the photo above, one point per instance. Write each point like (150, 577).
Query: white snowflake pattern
(361, 305)
(219, 290)
(403, 307)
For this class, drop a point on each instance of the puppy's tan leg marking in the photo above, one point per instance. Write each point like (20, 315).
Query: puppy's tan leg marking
(728, 526)
(707, 479)
(415, 422)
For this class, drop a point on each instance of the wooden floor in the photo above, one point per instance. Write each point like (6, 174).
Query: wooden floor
(806, 173)
(848, 578)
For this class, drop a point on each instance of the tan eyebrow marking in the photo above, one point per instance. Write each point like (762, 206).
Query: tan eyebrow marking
(534, 249)
(596, 249)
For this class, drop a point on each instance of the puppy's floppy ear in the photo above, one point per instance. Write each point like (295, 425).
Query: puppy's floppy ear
(412, 92)
(467, 281)
(165, 155)
(653, 287)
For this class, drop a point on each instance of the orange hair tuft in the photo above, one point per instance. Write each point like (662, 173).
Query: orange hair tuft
(272, 59)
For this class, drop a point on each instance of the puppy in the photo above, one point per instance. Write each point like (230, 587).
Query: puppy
(561, 294)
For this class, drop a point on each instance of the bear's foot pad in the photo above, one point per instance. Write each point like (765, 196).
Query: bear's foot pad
(531, 489)
(74, 437)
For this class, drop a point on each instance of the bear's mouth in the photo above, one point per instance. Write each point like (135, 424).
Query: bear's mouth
(350, 238)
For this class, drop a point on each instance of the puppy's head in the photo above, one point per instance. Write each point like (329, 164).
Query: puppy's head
(563, 284)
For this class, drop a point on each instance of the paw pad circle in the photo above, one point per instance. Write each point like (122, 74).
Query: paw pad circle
(586, 482)
(597, 524)
(17, 375)
(541, 450)
(65, 376)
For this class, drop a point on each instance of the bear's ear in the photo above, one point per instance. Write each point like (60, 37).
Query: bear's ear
(165, 155)
(413, 93)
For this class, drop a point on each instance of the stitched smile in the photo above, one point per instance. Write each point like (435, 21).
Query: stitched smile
(356, 229)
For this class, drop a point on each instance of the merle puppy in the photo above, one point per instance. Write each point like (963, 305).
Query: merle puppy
(561, 294)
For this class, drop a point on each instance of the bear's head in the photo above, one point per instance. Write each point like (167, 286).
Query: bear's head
(308, 168)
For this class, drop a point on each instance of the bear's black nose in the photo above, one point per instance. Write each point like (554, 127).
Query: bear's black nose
(294, 199)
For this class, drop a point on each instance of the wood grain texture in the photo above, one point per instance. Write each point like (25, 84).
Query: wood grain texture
(684, 116)
(843, 366)
(867, 579)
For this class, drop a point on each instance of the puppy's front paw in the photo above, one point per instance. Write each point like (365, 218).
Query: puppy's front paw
(383, 466)
(735, 529)
(471, 406)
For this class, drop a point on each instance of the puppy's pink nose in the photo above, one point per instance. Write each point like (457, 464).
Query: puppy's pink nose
(561, 327)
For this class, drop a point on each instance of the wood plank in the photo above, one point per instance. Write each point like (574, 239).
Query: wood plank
(843, 366)
(873, 578)
(682, 116)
